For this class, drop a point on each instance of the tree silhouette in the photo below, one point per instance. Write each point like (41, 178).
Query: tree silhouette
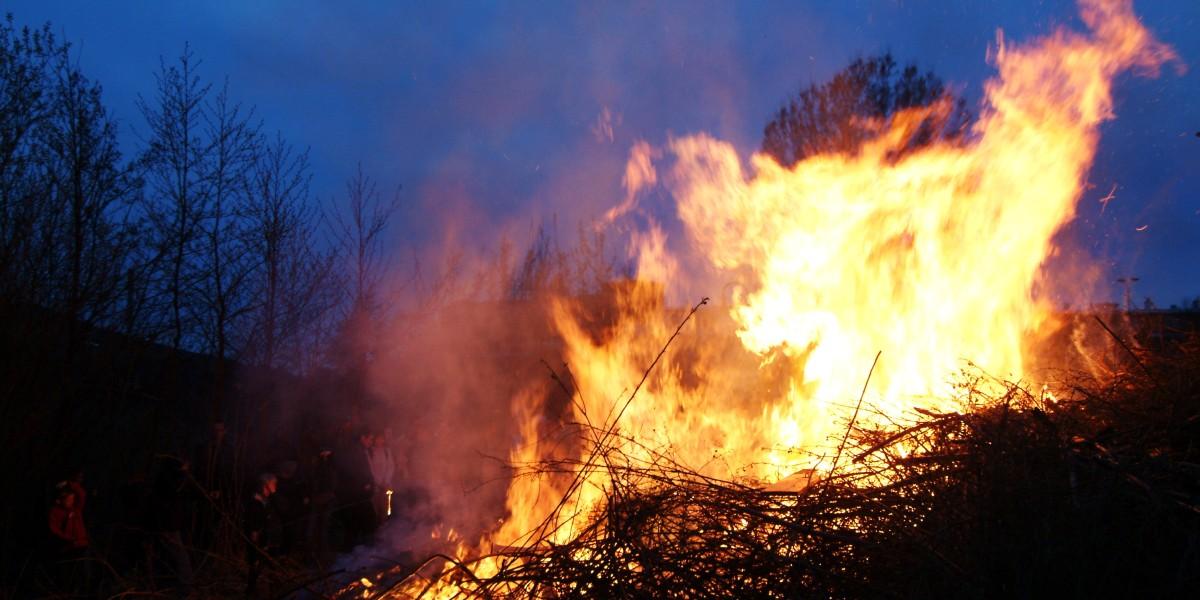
(64, 186)
(27, 58)
(222, 287)
(357, 225)
(291, 276)
(88, 189)
(839, 115)
(177, 200)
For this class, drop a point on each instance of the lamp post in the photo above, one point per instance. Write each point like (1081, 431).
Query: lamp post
(1128, 283)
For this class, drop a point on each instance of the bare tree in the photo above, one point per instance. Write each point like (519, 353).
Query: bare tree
(66, 234)
(89, 193)
(291, 277)
(543, 270)
(25, 59)
(547, 268)
(593, 266)
(357, 226)
(63, 184)
(224, 267)
(178, 200)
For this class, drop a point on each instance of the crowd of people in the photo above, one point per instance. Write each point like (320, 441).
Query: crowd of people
(213, 503)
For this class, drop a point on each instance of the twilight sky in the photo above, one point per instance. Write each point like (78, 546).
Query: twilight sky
(487, 112)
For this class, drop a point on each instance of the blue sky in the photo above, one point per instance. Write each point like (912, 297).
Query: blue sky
(484, 111)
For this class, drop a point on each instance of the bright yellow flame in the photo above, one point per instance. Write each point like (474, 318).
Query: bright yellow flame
(929, 258)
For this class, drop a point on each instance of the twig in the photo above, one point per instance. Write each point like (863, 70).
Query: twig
(1126, 347)
(854, 417)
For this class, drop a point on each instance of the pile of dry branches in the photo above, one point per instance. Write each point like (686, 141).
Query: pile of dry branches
(1020, 494)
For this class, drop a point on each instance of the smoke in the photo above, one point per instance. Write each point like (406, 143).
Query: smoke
(464, 331)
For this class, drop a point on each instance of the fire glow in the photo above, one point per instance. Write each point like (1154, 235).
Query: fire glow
(929, 257)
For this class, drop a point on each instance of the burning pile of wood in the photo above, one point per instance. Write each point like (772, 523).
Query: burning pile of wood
(1021, 494)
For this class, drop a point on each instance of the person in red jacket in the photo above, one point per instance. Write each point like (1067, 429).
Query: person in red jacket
(66, 517)
(69, 534)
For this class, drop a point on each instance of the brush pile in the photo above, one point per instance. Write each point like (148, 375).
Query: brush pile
(1096, 493)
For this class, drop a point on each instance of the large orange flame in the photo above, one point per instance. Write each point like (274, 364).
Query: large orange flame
(927, 256)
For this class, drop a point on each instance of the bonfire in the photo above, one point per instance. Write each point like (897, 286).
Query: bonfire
(866, 413)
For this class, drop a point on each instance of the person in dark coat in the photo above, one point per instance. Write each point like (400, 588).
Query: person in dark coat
(291, 502)
(169, 497)
(214, 463)
(261, 524)
(214, 472)
(323, 492)
(358, 488)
